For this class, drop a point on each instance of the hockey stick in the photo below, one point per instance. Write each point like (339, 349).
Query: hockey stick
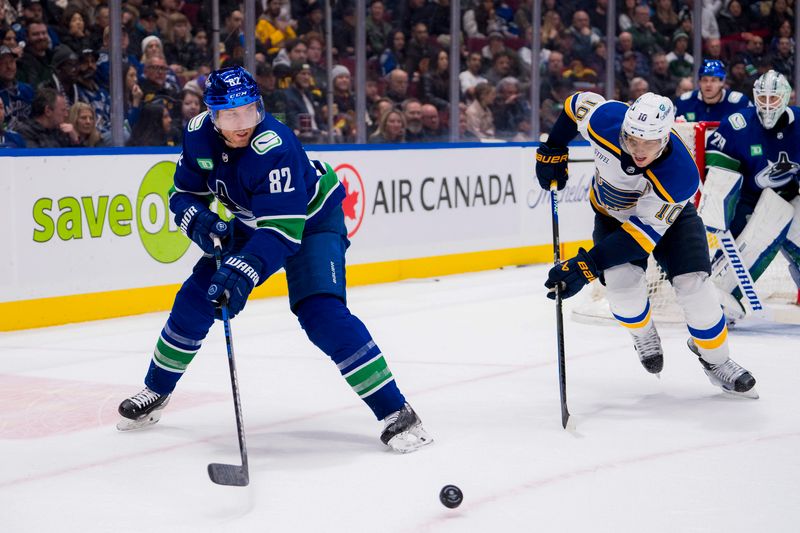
(222, 474)
(743, 278)
(562, 365)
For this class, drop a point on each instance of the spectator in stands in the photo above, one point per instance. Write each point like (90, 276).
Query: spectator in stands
(73, 30)
(395, 55)
(479, 115)
(464, 135)
(713, 49)
(344, 33)
(554, 73)
(133, 92)
(101, 22)
(646, 38)
(274, 99)
(471, 77)
(153, 47)
(417, 48)
(412, 113)
(625, 45)
(397, 87)
(483, 20)
(232, 36)
(660, 80)
(680, 61)
(524, 15)
(391, 128)
(637, 88)
(783, 59)
(17, 97)
(582, 77)
(432, 130)
(375, 112)
(181, 53)
(553, 104)
(200, 40)
(191, 106)
(552, 27)
(8, 38)
(583, 34)
(154, 127)
(665, 20)
(294, 51)
(435, 84)
(65, 74)
(8, 12)
(685, 85)
(502, 66)
(779, 13)
(754, 54)
(627, 15)
(49, 127)
(273, 29)
(511, 111)
(738, 80)
(91, 92)
(165, 9)
(8, 137)
(597, 61)
(343, 96)
(146, 26)
(35, 66)
(82, 118)
(733, 20)
(627, 74)
(786, 29)
(378, 30)
(154, 85)
(313, 19)
(303, 113)
(103, 65)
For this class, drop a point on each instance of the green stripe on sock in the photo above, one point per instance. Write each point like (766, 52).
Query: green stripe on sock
(171, 358)
(370, 377)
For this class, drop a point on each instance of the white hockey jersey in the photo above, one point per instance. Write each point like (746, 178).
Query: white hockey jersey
(646, 200)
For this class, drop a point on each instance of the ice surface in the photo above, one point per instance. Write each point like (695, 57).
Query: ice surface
(474, 354)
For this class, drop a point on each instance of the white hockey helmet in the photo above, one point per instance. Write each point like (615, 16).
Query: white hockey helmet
(650, 118)
(771, 93)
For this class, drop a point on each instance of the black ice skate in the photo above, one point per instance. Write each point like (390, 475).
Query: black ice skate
(142, 409)
(403, 431)
(648, 346)
(729, 376)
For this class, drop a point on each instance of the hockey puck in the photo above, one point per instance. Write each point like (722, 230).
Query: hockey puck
(451, 496)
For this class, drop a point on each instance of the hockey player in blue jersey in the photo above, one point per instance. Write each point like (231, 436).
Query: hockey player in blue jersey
(712, 101)
(751, 188)
(644, 180)
(287, 214)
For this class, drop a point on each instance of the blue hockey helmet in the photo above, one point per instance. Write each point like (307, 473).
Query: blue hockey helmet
(234, 99)
(712, 67)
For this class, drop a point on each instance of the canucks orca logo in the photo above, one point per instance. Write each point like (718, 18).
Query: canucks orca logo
(777, 174)
(222, 195)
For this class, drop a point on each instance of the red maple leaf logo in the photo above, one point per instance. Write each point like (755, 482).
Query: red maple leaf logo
(350, 201)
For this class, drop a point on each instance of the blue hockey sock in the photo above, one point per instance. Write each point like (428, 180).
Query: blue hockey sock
(344, 338)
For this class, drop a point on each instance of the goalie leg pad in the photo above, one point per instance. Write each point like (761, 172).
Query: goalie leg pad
(721, 192)
(627, 297)
(759, 241)
(704, 317)
(791, 246)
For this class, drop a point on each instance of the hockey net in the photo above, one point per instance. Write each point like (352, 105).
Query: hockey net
(775, 287)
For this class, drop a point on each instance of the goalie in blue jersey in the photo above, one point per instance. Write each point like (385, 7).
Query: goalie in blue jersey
(751, 187)
(644, 181)
(287, 214)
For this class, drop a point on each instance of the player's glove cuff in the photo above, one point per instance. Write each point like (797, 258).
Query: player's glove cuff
(570, 276)
(551, 165)
(201, 225)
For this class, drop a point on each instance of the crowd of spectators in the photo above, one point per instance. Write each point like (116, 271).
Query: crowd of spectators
(54, 63)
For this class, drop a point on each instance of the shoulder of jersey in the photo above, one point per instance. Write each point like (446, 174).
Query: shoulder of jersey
(741, 118)
(605, 124)
(676, 179)
(271, 137)
(689, 95)
(735, 97)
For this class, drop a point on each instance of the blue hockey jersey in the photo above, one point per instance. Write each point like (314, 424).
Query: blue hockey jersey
(692, 107)
(766, 158)
(274, 192)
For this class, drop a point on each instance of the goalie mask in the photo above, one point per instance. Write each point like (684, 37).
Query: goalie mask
(771, 93)
(646, 128)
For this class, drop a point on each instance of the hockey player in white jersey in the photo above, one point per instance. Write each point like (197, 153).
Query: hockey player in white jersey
(751, 188)
(644, 180)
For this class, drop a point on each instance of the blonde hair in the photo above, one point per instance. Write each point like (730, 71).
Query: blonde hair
(173, 20)
(94, 137)
(381, 131)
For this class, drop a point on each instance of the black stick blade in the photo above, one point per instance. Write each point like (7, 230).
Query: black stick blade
(231, 475)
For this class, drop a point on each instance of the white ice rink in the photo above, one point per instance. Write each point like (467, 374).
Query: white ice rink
(474, 354)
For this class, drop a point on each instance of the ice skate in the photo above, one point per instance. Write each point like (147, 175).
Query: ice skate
(729, 376)
(403, 431)
(651, 355)
(142, 409)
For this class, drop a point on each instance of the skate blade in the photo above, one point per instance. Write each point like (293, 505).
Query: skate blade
(126, 424)
(410, 441)
(751, 394)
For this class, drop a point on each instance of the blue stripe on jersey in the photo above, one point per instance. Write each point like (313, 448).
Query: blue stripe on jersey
(710, 333)
(653, 234)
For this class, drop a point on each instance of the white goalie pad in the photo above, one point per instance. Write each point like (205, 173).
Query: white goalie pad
(720, 195)
(765, 231)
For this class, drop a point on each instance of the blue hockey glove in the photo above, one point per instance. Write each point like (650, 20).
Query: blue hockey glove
(201, 225)
(571, 275)
(233, 282)
(551, 164)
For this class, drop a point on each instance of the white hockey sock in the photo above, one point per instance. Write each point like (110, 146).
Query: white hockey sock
(627, 297)
(704, 317)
